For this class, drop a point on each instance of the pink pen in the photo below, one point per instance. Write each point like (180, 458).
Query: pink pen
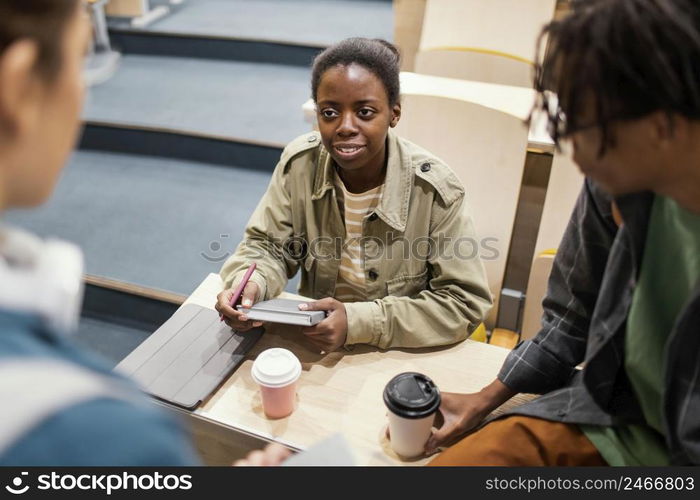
(239, 290)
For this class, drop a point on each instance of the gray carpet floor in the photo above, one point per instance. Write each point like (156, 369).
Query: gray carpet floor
(303, 22)
(111, 341)
(165, 223)
(248, 101)
(154, 222)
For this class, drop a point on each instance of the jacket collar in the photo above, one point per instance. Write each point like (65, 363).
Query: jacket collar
(393, 207)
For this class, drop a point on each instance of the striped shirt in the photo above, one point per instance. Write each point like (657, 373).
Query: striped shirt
(350, 285)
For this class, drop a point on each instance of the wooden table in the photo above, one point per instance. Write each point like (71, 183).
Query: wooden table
(339, 391)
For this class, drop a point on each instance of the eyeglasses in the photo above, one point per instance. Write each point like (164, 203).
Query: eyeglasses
(559, 128)
(548, 103)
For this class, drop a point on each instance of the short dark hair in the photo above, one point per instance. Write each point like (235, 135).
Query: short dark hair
(625, 58)
(378, 56)
(43, 21)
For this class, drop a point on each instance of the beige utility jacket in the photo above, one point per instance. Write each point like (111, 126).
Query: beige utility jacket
(425, 282)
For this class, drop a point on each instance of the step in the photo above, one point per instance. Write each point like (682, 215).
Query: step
(198, 47)
(110, 341)
(252, 103)
(115, 320)
(290, 31)
(154, 222)
(178, 145)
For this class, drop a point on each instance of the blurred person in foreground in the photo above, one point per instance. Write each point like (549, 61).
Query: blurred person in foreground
(60, 405)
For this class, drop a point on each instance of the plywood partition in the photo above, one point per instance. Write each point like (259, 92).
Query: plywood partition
(126, 8)
(565, 182)
(536, 289)
(408, 25)
(486, 148)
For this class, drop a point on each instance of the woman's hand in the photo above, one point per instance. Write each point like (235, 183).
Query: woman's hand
(329, 334)
(462, 413)
(273, 454)
(234, 318)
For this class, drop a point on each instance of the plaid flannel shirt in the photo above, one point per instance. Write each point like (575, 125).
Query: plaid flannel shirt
(585, 314)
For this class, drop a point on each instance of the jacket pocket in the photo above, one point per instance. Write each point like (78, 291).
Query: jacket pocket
(408, 286)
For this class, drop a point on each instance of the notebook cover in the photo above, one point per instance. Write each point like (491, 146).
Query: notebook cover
(285, 311)
(187, 358)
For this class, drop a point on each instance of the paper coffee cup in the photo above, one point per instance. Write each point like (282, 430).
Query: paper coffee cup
(277, 371)
(412, 400)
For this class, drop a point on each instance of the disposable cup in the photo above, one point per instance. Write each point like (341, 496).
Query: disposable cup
(277, 371)
(412, 400)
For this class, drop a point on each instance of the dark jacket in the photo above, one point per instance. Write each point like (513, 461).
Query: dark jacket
(585, 314)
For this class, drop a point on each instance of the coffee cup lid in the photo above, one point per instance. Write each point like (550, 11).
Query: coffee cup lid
(412, 395)
(276, 367)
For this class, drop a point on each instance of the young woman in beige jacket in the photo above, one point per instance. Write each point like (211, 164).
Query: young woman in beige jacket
(379, 227)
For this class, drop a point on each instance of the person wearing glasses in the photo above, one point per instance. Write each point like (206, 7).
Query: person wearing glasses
(61, 406)
(616, 361)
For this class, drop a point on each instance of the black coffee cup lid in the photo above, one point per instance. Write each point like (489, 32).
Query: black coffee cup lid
(412, 395)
